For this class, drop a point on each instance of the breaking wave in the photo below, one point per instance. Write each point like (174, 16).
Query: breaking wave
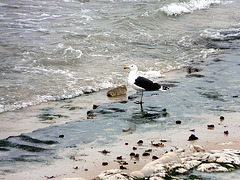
(175, 9)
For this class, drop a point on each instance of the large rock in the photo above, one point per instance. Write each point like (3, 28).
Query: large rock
(118, 91)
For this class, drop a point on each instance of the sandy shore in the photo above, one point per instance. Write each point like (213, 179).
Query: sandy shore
(210, 139)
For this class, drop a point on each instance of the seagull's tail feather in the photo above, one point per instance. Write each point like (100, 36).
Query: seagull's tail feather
(163, 88)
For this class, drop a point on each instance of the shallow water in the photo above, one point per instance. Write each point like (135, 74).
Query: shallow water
(59, 49)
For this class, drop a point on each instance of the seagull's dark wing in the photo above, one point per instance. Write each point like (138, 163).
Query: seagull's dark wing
(146, 84)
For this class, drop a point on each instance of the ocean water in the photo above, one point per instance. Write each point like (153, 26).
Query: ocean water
(58, 49)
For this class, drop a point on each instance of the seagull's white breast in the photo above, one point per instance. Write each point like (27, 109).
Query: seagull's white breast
(131, 80)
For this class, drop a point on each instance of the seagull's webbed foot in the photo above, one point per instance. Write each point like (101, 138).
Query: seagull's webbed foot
(138, 102)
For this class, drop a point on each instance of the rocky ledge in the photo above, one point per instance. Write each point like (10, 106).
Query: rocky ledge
(181, 162)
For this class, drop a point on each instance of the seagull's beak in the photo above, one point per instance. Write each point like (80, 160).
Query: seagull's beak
(126, 67)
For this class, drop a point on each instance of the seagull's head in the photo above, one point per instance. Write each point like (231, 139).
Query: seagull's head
(132, 67)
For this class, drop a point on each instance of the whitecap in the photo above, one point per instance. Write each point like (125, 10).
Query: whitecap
(175, 9)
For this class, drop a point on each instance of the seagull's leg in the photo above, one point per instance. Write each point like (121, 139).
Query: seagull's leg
(140, 102)
(141, 98)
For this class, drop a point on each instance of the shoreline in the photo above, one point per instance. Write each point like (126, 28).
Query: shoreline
(88, 159)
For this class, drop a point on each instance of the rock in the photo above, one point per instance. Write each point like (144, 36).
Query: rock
(91, 115)
(95, 106)
(226, 132)
(104, 163)
(191, 69)
(118, 91)
(221, 118)
(211, 167)
(134, 148)
(61, 136)
(137, 174)
(145, 154)
(132, 154)
(148, 150)
(104, 151)
(140, 142)
(154, 157)
(210, 126)
(122, 167)
(178, 122)
(119, 158)
(192, 137)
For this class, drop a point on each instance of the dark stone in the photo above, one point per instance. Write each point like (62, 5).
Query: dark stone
(217, 60)
(104, 163)
(136, 156)
(104, 151)
(154, 157)
(75, 167)
(195, 75)
(95, 106)
(191, 69)
(148, 150)
(140, 142)
(122, 167)
(163, 140)
(221, 118)
(118, 91)
(132, 154)
(61, 136)
(119, 158)
(210, 126)
(124, 163)
(164, 110)
(226, 132)
(134, 148)
(192, 137)
(146, 154)
(126, 144)
(90, 115)
(235, 96)
(178, 122)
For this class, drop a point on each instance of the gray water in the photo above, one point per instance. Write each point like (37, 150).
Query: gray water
(52, 50)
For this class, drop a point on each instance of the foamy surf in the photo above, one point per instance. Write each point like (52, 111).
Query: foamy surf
(175, 9)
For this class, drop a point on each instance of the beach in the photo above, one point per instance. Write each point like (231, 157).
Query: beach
(59, 59)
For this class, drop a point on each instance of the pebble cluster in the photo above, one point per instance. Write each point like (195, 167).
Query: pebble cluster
(181, 162)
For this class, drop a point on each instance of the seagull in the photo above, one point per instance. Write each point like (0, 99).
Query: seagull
(142, 84)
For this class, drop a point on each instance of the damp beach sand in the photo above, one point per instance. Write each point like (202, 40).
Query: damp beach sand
(166, 120)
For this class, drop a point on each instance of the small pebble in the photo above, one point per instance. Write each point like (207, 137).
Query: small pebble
(104, 151)
(226, 132)
(221, 118)
(148, 150)
(126, 144)
(122, 167)
(192, 137)
(119, 157)
(134, 148)
(154, 157)
(145, 154)
(210, 126)
(86, 169)
(178, 122)
(125, 163)
(61, 136)
(104, 163)
(136, 156)
(75, 167)
(132, 154)
(140, 142)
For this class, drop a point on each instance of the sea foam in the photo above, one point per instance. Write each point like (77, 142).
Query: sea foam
(175, 9)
